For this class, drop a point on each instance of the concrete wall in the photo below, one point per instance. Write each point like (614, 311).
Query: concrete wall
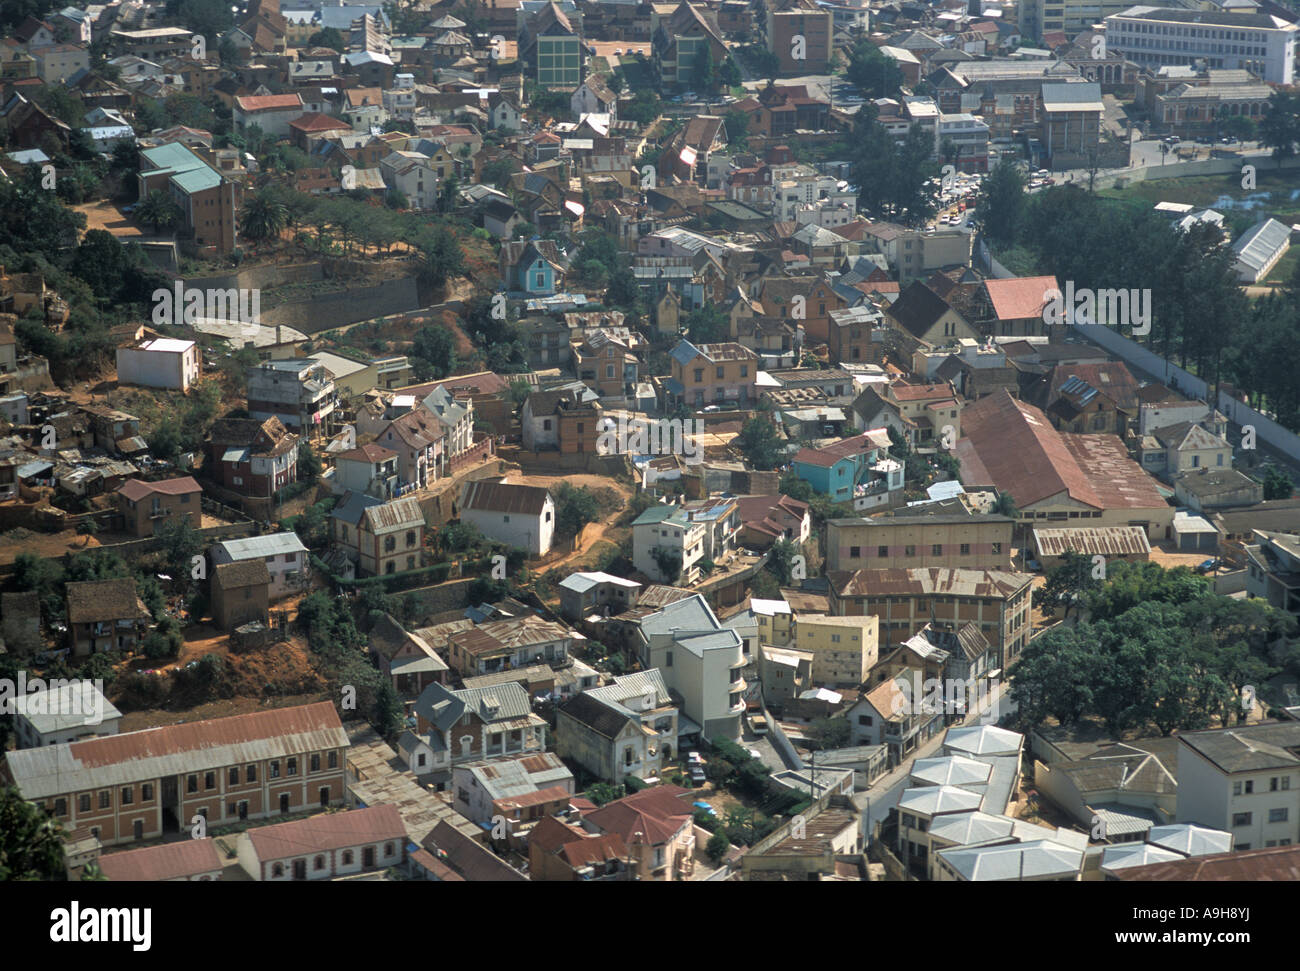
(1237, 412)
(313, 313)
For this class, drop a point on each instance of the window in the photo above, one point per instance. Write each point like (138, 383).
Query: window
(866, 721)
(315, 763)
(292, 767)
(319, 863)
(699, 375)
(334, 760)
(209, 780)
(146, 792)
(909, 551)
(347, 857)
(105, 798)
(60, 807)
(250, 774)
(191, 784)
(965, 549)
(1272, 784)
(936, 549)
(855, 552)
(83, 803)
(277, 869)
(1277, 815)
(668, 659)
(1241, 819)
(997, 549)
(275, 770)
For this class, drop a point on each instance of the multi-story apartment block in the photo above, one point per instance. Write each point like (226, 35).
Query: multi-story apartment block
(667, 546)
(298, 391)
(208, 199)
(1255, 41)
(678, 45)
(800, 35)
(906, 600)
(143, 785)
(950, 540)
(844, 649)
(699, 659)
(1244, 780)
(713, 374)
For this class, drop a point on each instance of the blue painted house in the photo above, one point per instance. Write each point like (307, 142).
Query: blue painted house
(857, 469)
(532, 267)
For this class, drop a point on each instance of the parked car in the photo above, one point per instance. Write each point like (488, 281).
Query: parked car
(1208, 566)
(758, 724)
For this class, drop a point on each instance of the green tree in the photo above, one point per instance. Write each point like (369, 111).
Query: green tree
(434, 351)
(1069, 583)
(760, 444)
(31, 847)
(264, 215)
(1279, 129)
(707, 324)
(718, 846)
(575, 506)
(309, 463)
(872, 72)
(1002, 204)
(329, 37)
(669, 563)
(389, 717)
(832, 733)
(1277, 483)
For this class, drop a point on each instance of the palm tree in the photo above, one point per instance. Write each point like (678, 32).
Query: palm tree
(158, 210)
(265, 216)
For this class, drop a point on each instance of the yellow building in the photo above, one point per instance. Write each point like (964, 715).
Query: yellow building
(844, 649)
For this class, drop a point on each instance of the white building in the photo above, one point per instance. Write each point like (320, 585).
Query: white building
(518, 515)
(700, 660)
(411, 174)
(270, 112)
(64, 713)
(159, 362)
(1253, 41)
(478, 785)
(285, 556)
(1243, 780)
(667, 532)
(1259, 249)
(325, 847)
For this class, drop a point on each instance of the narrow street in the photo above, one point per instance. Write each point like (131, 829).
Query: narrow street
(883, 794)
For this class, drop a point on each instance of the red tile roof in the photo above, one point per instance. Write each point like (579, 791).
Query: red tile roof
(170, 861)
(657, 814)
(1020, 298)
(181, 739)
(269, 102)
(1268, 863)
(330, 831)
(137, 489)
(1011, 445)
(367, 453)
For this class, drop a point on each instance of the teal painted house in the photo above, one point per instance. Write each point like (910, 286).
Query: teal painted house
(533, 267)
(857, 469)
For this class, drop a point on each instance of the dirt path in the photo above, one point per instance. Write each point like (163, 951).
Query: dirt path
(592, 533)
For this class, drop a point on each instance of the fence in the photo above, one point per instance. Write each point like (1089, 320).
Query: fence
(1237, 412)
(479, 450)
